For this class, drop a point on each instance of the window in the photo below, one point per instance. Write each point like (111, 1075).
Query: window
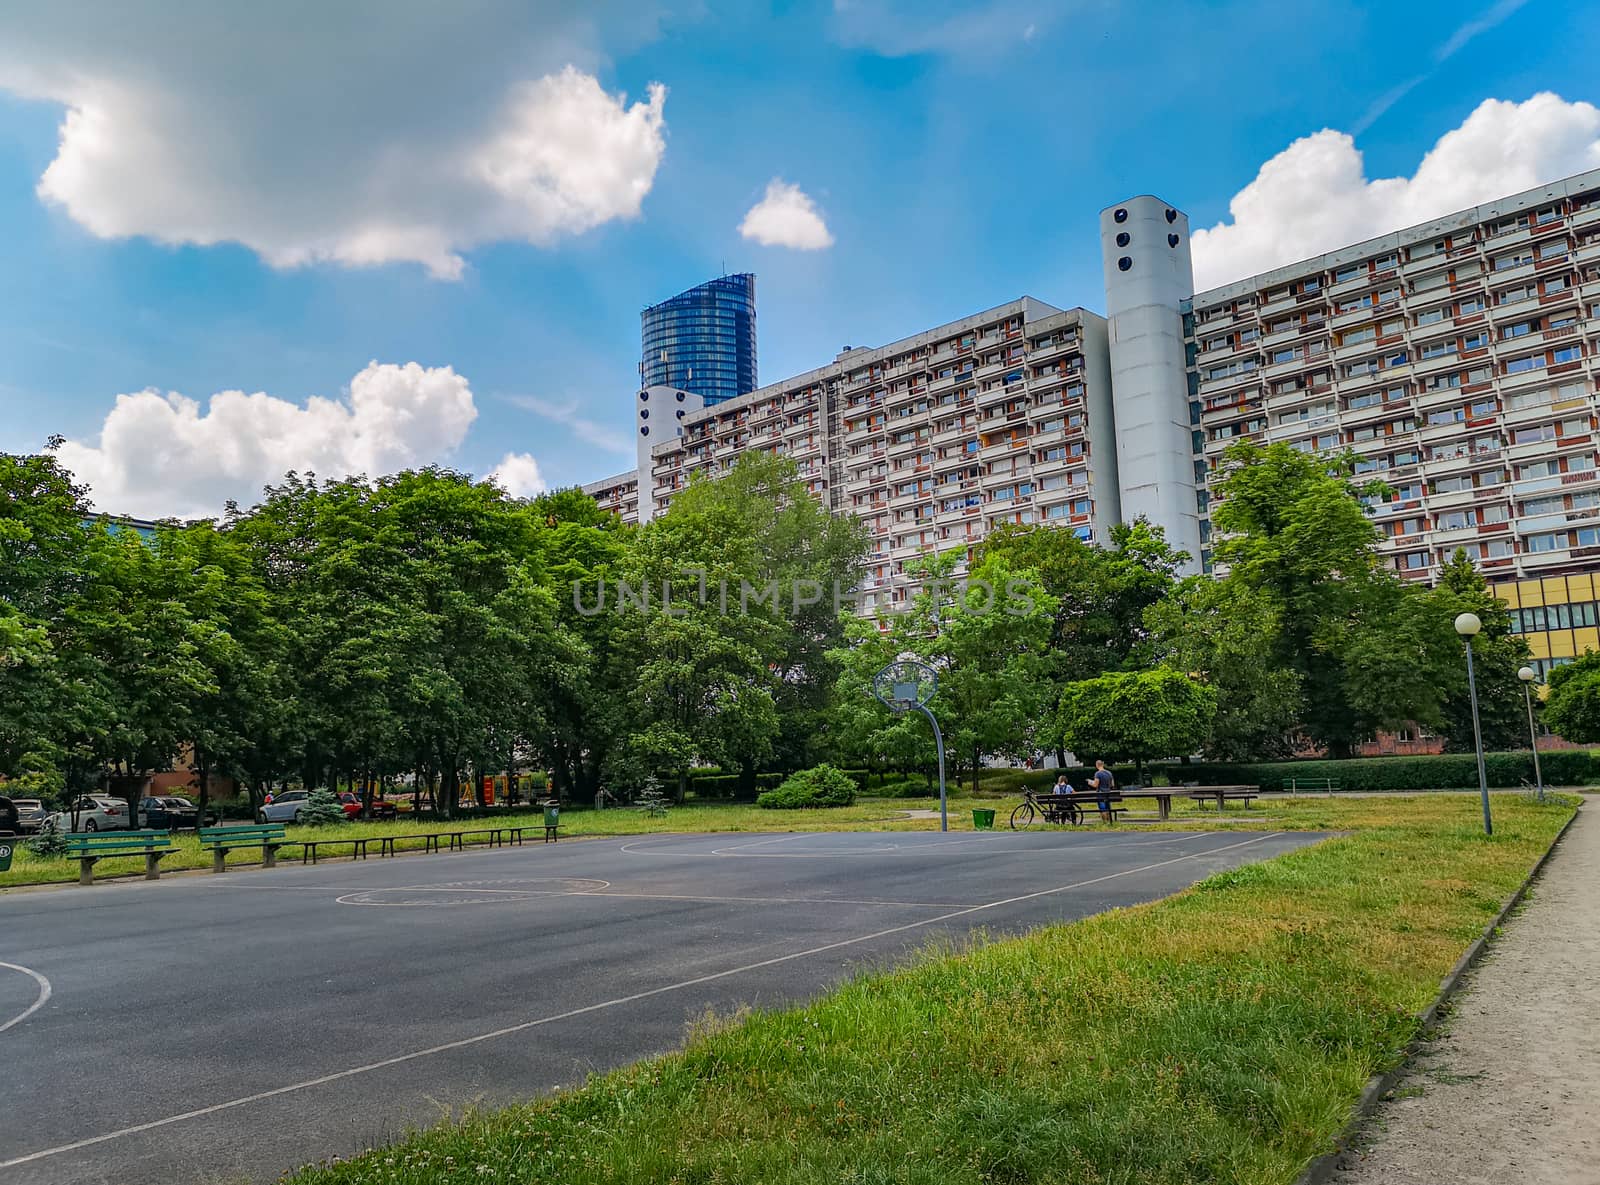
(1431, 317)
(1353, 337)
(1555, 248)
(1476, 340)
(1538, 543)
(1566, 354)
(1448, 415)
(1495, 549)
(1588, 537)
(1472, 304)
(1436, 349)
(1533, 434)
(1415, 560)
(1523, 365)
(1482, 407)
(1554, 284)
(1285, 354)
(1348, 272)
(1520, 329)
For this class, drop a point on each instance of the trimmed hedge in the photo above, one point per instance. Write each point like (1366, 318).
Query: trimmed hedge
(1445, 771)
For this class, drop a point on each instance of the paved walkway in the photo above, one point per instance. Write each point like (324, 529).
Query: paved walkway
(1509, 1093)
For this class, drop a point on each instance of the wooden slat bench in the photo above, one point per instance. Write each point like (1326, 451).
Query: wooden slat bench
(430, 842)
(498, 837)
(310, 847)
(219, 841)
(89, 846)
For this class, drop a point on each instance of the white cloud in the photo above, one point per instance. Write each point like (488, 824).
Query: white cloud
(566, 412)
(518, 475)
(162, 455)
(1315, 196)
(359, 133)
(786, 217)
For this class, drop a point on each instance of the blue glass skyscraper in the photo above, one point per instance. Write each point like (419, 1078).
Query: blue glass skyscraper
(703, 340)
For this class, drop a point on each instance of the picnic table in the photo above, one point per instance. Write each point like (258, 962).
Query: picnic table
(1222, 794)
(1162, 796)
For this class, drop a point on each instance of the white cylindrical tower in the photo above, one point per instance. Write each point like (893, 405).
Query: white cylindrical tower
(658, 417)
(1144, 245)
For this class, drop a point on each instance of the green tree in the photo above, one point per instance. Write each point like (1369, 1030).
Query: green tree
(1573, 705)
(1497, 655)
(987, 634)
(1225, 634)
(1290, 529)
(1136, 715)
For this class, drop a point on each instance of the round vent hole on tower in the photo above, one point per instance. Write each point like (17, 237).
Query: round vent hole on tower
(1123, 238)
(644, 413)
(1172, 215)
(644, 431)
(1124, 263)
(680, 396)
(680, 413)
(644, 396)
(1172, 240)
(1119, 215)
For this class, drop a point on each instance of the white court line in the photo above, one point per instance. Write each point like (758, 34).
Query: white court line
(633, 847)
(44, 995)
(448, 1046)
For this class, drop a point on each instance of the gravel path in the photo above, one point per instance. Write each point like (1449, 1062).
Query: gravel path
(1509, 1092)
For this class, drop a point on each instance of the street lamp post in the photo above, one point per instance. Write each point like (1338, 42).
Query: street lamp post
(1468, 625)
(907, 684)
(1526, 674)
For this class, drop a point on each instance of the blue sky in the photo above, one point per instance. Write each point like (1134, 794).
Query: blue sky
(958, 155)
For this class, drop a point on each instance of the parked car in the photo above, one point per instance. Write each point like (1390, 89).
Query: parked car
(96, 812)
(10, 817)
(284, 808)
(382, 808)
(171, 813)
(31, 814)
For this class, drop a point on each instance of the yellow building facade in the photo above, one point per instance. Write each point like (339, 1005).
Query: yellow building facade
(1557, 615)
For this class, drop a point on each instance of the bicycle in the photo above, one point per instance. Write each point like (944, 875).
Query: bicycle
(1044, 808)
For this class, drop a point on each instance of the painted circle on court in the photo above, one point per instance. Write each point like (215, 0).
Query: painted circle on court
(459, 893)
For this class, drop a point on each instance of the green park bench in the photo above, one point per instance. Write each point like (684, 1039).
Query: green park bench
(219, 841)
(88, 846)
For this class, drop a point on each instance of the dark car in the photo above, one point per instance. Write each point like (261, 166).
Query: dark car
(10, 818)
(168, 813)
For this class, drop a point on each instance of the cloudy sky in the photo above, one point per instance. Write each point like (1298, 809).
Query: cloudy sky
(243, 238)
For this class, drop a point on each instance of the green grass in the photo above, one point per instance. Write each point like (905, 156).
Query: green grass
(1221, 1035)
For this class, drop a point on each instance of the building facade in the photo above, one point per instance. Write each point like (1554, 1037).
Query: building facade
(702, 340)
(932, 441)
(1459, 358)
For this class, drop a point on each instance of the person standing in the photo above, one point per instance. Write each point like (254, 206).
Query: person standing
(1104, 786)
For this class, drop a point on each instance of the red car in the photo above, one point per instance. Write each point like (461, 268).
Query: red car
(382, 808)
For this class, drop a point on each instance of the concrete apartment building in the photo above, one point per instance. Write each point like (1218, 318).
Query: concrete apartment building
(1459, 357)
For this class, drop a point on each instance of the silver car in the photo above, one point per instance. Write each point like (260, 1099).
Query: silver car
(95, 812)
(31, 814)
(285, 808)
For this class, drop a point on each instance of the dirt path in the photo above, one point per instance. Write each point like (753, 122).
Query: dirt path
(1509, 1093)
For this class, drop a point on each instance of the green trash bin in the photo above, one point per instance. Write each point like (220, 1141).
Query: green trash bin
(982, 820)
(5, 855)
(552, 815)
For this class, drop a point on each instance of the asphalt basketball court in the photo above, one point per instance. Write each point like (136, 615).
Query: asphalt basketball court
(227, 1028)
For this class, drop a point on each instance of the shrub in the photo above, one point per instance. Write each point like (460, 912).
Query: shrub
(822, 785)
(322, 809)
(49, 842)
